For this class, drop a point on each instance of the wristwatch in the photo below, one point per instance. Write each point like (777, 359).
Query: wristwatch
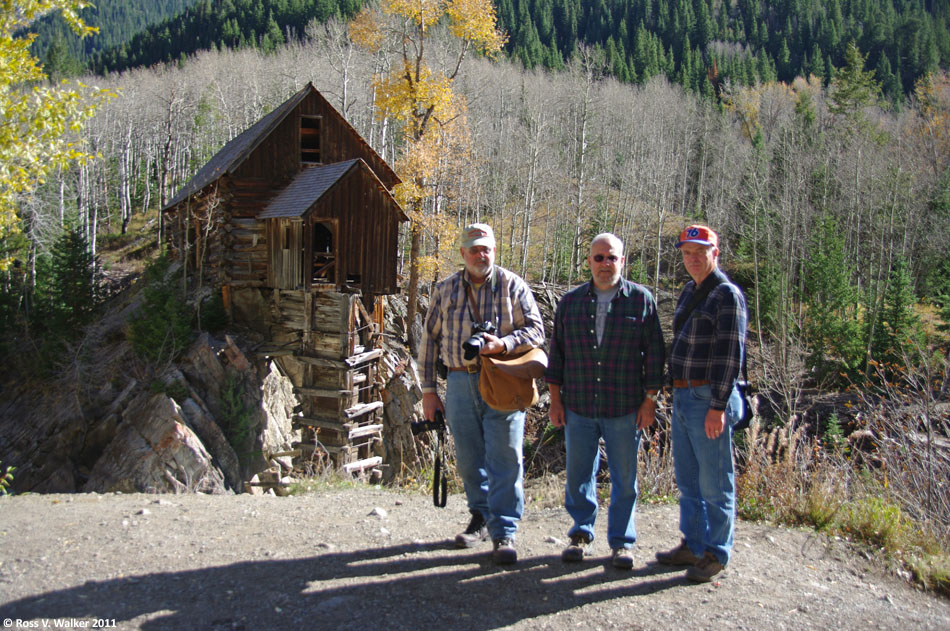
(652, 397)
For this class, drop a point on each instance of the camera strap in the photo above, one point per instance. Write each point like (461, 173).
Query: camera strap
(440, 483)
(472, 305)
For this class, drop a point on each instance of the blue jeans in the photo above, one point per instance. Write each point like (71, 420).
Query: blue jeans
(488, 447)
(705, 472)
(622, 439)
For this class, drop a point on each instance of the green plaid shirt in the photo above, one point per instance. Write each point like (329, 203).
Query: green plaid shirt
(608, 379)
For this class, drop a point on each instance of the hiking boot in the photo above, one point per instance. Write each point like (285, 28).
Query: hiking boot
(705, 568)
(680, 555)
(579, 548)
(504, 552)
(477, 531)
(622, 558)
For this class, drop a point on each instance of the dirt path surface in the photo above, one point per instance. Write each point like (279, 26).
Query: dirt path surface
(367, 558)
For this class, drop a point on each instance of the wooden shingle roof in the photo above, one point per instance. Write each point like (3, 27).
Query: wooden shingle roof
(311, 184)
(235, 152)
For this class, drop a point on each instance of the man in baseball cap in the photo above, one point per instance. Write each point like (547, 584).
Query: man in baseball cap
(477, 234)
(704, 364)
(702, 235)
(488, 442)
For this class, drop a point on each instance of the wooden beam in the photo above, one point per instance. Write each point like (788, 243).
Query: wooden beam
(321, 392)
(361, 465)
(362, 358)
(367, 430)
(362, 408)
(324, 422)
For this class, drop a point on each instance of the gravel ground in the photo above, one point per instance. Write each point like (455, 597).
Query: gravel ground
(366, 558)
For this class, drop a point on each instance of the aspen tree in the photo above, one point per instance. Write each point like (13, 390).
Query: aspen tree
(419, 96)
(39, 121)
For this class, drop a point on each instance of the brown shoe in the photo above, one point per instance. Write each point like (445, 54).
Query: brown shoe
(622, 558)
(680, 555)
(503, 552)
(705, 569)
(476, 532)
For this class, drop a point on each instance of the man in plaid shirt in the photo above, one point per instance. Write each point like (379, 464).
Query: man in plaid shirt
(604, 371)
(488, 442)
(705, 360)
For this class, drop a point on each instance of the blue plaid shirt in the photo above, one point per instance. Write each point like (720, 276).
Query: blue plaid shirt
(711, 343)
(606, 379)
(504, 299)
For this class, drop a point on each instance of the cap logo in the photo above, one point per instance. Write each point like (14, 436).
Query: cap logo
(692, 233)
(477, 233)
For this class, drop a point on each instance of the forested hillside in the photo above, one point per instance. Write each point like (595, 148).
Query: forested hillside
(117, 21)
(749, 40)
(209, 24)
(699, 44)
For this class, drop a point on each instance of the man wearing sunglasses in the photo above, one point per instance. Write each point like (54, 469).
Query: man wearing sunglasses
(709, 327)
(604, 371)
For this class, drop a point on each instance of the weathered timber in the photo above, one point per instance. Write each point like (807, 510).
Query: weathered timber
(324, 422)
(362, 408)
(362, 358)
(362, 465)
(368, 430)
(320, 392)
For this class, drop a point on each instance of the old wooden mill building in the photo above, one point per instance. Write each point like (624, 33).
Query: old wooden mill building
(295, 221)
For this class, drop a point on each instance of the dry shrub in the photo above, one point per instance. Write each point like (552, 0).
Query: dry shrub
(655, 471)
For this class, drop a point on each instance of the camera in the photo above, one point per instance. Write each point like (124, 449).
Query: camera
(424, 426)
(473, 345)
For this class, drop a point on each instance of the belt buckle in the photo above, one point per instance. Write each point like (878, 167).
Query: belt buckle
(472, 368)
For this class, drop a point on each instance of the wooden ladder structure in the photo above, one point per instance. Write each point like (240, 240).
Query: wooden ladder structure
(326, 343)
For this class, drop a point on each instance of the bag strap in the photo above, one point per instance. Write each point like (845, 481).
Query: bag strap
(471, 301)
(711, 282)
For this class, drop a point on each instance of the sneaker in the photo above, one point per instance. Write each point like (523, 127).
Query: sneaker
(680, 555)
(622, 558)
(504, 552)
(579, 548)
(705, 569)
(477, 531)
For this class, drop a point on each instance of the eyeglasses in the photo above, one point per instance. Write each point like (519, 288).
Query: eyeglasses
(611, 258)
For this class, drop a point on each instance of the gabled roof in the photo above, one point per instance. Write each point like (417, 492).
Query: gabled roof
(230, 157)
(311, 184)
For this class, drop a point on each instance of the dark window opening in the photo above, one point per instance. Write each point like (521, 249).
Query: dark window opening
(323, 270)
(310, 139)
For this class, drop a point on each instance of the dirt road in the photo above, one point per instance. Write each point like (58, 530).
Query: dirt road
(367, 558)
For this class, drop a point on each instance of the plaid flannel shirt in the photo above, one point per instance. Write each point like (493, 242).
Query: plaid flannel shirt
(504, 299)
(609, 379)
(712, 341)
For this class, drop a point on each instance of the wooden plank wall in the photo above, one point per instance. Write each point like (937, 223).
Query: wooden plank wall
(368, 231)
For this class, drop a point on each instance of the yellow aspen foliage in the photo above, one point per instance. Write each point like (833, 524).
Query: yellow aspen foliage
(744, 104)
(474, 21)
(431, 118)
(40, 122)
(365, 30)
(405, 95)
(933, 98)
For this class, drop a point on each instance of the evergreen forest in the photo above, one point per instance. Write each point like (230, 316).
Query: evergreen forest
(700, 44)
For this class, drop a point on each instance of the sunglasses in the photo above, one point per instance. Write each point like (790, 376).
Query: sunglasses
(611, 258)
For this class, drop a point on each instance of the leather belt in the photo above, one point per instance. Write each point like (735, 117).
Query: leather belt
(471, 368)
(690, 383)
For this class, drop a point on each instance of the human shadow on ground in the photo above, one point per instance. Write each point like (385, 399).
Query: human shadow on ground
(407, 586)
